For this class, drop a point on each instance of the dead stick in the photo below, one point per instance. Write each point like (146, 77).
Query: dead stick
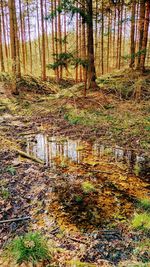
(25, 155)
(77, 240)
(15, 220)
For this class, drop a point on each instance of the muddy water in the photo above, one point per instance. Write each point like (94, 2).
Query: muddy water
(114, 174)
(49, 149)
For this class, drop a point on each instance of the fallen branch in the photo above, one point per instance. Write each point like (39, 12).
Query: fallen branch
(15, 220)
(28, 133)
(25, 155)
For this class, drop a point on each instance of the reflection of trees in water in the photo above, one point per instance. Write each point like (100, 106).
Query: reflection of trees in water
(49, 148)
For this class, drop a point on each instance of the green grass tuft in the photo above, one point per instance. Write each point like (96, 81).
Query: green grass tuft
(31, 247)
(4, 193)
(144, 204)
(141, 222)
(87, 187)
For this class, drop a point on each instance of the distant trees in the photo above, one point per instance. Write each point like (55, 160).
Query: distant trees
(101, 35)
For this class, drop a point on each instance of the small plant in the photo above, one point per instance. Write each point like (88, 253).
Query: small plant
(11, 170)
(78, 199)
(31, 247)
(142, 251)
(87, 187)
(144, 204)
(141, 221)
(4, 193)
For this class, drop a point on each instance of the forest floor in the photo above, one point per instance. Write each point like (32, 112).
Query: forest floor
(71, 203)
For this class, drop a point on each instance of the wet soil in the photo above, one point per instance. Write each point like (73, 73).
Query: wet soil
(49, 193)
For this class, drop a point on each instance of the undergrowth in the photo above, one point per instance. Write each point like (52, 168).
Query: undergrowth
(31, 247)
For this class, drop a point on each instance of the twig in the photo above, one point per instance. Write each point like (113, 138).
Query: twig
(28, 133)
(54, 231)
(77, 240)
(15, 220)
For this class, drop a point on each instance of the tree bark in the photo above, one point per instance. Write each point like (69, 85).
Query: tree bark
(145, 36)
(141, 30)
(102, 40)
(1, 49)
(43, 44)
(132, 38)
(90, 47)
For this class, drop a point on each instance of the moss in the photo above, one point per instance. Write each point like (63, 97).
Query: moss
(77, 263)
(141, 222)
(87, 187)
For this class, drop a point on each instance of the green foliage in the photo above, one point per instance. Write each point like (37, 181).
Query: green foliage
(5, 77)
(11, 170)
(137, 54)
(147, 128)
(142, 251)
(144, 204)
(79, 199)
(31, 247)
(80, 62)
(87, 187)
(73, 120)
(77, 263)
(69, 6)
(62, 59)
(4, 193)
(141, 222)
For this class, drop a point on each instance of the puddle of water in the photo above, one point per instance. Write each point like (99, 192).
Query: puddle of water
(49, 148)
(110, 170)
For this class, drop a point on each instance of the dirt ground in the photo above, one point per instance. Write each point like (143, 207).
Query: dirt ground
(29, 188)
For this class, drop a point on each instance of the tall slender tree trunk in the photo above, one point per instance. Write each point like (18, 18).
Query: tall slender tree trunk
(108, 42)
(90, 48)
(13, 42)
(120, 36)
(114, 40)
(38, 32)
(43, 43)
(65, 40)
(124, 33)
(145, 36)
(1, 49)
(60, 38)
(96, 31)
(77, 44)
(29, 34)
(102, 40)
(22, 37)
(56, 41)
(141, 30)
(84, 50)
(46, 33)
(80, 46)
(53, 41)
(132, 45)
(7, 31)
(4, 32)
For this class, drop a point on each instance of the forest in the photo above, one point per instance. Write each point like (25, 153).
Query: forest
(74, 133)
